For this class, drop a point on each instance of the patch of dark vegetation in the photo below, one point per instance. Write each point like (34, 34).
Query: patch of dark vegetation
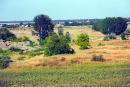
(55, 44)
(5, 34)
(110, 25)
(97, 58)
(4, 61)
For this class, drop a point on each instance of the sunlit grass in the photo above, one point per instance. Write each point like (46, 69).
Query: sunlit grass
(77, 75)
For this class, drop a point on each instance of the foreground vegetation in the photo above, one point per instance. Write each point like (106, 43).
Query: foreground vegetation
(78, 75)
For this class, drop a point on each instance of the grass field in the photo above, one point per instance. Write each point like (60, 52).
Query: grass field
(77, 75)
(75, 70)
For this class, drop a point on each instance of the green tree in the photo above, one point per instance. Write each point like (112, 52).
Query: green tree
(43, 24)
(83, 41)
(57, 45)
(109, 25)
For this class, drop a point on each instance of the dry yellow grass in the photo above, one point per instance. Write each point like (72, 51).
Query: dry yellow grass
(21, 32)
(114, 50)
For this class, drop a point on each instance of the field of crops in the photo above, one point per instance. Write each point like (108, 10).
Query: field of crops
(78, 75)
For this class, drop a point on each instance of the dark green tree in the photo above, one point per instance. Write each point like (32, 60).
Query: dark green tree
(57, 45)
(109, 25)
(43, 25)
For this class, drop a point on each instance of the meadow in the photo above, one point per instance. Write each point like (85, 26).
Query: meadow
(78, 75)
(72, 70)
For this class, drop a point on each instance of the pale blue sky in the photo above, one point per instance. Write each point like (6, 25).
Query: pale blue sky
(63, 9)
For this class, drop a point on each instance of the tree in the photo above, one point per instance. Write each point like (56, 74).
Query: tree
(57, 45)
(83, 41)
(109, 25)
(43, 25)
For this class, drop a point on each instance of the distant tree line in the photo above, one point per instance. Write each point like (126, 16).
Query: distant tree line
(110, 25)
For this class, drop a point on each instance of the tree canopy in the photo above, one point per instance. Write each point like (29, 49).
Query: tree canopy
(110, 25)
(43, 25)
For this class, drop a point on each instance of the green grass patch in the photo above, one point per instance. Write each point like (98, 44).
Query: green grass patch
(79, 75)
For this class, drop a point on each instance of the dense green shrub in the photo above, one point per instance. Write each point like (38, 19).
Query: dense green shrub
(124, 36)
(3, 61)
(83, 41)
(110, 25)
(5, 34)
(97, 58)
(57, 45)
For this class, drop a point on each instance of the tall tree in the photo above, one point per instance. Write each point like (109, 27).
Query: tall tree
(109, 25)
(43, 25)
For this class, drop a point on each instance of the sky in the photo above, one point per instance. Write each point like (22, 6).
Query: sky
(20, 10)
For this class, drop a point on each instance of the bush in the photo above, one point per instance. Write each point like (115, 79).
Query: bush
(68, 36)
(14, 49)
(97, 58)
(112, 36)
(83, 41)
(57, 45)
(5, 34)
(106, 38)
(109, 37)
(60, 30)
(4, 61)
(124, 36)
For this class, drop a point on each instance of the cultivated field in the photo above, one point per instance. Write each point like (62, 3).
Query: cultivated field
(75, 70)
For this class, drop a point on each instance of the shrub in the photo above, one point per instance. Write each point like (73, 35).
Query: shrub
(4, 61)
(124, 36)
(60, 30)
(15, 49)
(106, 38)
(57, 45)
(83, 41)
(97, 58)
(112, 36)
(109, 37)
(5, 34)
(68, 36)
